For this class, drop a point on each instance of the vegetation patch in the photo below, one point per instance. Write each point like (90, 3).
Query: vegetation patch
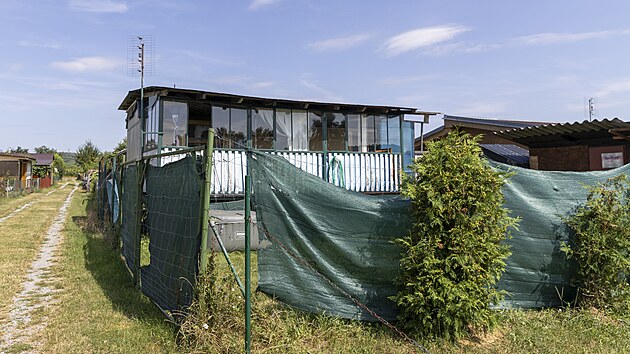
(454, 255)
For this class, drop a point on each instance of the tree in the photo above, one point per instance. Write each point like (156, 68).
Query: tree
(59, 164)
(454, 254)
(44, 150)
(87, 156)
(18, 150)
(122, 145)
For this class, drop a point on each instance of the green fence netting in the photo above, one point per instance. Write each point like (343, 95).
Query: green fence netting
(538, 273)
(346, 237)
(173, 217)
(129, 203)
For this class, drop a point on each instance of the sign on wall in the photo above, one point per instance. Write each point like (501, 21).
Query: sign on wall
(612, 159)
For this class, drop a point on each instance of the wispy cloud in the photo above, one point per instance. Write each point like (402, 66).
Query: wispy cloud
(88, 64)
(613, 87)
(422, 37)
(99, 6)
(556, 38)
(340, 42)
(538, 39)
(259, 4)
(39, 44)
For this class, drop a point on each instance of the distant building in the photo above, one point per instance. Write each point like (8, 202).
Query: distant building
(586, 146)
(15, 171)
(495, 147)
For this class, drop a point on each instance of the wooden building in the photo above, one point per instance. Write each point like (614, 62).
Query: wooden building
(15, 171)
(370, 143)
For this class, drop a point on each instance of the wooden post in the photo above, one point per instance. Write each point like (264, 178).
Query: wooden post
(203, 253)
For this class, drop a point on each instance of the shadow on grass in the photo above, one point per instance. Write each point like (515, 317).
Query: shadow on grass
(109, 271)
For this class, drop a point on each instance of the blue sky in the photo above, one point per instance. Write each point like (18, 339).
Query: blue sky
(63, 68)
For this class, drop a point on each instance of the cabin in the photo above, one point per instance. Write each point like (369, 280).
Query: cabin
(494, 147)
(43, 169)
(362, 148)
(15, 172)
(574, 146)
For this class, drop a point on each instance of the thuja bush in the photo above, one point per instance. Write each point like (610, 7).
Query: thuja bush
(601, 245)
(454, 254)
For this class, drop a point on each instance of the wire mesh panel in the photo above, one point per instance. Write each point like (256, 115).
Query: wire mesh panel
(172, 203)
(130, 214)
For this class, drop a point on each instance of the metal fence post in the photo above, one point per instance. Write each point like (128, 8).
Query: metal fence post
(248, 292)
(138, 226)
(203, 256)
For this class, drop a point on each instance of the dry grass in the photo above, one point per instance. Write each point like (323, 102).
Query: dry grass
(20, 240)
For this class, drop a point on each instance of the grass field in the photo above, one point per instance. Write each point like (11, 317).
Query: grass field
(99, 311)
(21, 236)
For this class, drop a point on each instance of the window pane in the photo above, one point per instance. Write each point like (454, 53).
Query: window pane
(336, 130)
(283, 129)
(408, 135)
(300, 129)
(393, 133)
(238, 128)
(354, 132)
(367, 133)
(221, 125)
(315, 131)
(380, 133)
(152, 126)
(175, 123)
(262, 128)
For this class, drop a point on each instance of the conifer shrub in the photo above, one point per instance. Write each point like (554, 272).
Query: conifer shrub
(454, 254)
(600, 245)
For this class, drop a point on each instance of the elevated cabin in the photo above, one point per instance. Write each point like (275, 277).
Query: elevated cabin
(15, 171)
(362, 148)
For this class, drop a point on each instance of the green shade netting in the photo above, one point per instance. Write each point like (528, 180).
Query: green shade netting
(129, 204)
(172, 202)
(346, 237)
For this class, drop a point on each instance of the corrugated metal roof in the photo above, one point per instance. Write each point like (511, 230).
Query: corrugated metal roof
(43, 159)
(562, 128)
(511, 153)
(493, 121)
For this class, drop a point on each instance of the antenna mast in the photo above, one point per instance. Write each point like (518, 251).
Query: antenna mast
(140, 61)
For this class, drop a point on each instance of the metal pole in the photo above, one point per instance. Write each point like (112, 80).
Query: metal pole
(203, 266)
(248, 292)
(138, 225)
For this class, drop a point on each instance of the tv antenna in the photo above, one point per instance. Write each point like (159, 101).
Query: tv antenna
(141, 62)
(591, 108)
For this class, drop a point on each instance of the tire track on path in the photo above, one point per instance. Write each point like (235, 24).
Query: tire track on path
(19, 329)
(27, 205)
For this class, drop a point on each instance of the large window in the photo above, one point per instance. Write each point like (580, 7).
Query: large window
(354, 132)
(380, 134)
(221, 125)
(175, 123)
(336, 131)
(315, 131)
(152, 123)
(368, 142)
(393, 133)
(300, 130)
(283, 130)
(238, 127)
(262, 128)
(408, 137)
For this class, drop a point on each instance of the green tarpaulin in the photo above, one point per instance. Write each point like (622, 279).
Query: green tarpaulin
(347, 236)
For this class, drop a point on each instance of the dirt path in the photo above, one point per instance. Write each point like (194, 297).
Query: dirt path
(36, 292)
(25, 206)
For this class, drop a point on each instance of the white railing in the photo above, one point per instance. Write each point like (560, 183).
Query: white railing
(355, 171)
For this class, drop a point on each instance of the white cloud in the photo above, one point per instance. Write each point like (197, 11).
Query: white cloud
(422, 37)
(100, 6)
(478, 109)
(259, 4)
(88, 64)
(613, 87)
(340, 42)
(38, 44)
(555, 38)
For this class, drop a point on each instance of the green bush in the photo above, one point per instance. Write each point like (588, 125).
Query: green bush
(601, 245)
(454, 255)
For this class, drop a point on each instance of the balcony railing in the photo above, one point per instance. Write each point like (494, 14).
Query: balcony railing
(354, 171)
